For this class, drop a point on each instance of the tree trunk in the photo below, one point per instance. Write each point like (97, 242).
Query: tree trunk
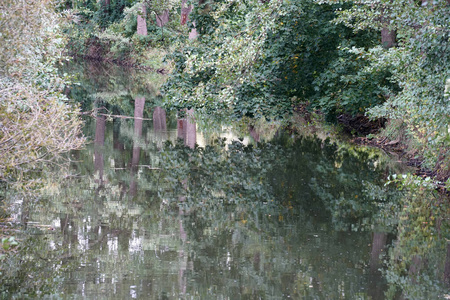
(99, 142)
(378, 245)
(254, 134)
(141, 21)
(193, 34)
(186, 129)
(160, 126)
(185, 11)
(375, 286)
(159, 119)
(447, 266)
(139, 104)
(388, 38)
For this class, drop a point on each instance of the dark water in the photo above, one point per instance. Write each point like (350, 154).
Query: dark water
(159, 207)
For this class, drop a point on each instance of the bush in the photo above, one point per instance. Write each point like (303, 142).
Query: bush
(37, 123)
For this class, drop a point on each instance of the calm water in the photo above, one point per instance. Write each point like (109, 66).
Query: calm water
(161, 206)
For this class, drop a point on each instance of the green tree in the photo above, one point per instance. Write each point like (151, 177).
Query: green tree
(419, 64)
(384, 58)
(260, 58)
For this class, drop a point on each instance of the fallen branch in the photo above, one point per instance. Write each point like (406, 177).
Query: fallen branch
(125, 117)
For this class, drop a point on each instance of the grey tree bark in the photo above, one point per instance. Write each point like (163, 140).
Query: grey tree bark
(141, 21)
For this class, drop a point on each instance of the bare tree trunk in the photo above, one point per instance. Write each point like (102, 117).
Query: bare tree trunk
(388, 38)
(160, 126)
(378, 244)
(99, 142)
(191, 130)
(159, 119)
(193, 34)
(139, 104)
(138, 115)
(186, 129)
(141, 21)
(185, 11)
(417, 264)
(254, 134)
(375, 288)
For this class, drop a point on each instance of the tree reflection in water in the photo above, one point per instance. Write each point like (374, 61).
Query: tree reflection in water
(153, 217)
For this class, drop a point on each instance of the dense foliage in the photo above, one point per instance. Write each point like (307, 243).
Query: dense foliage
(419, 261)
(261, 58)
(37, 123)
(419, 65)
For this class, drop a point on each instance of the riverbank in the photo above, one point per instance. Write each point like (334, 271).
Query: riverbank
(439, 175)
(357, 129)
(127, 63)
(152, 59)
(145, 193)
(360, 130)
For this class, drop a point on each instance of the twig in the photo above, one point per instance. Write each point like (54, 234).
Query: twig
(125, 117)
(142, 166)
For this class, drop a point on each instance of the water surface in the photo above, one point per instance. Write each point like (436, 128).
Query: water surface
(159, 207)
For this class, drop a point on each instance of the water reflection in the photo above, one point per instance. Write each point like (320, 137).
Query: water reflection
(447, 266)
(99, 141)
(186, 128)
(223, 221)
(139, 104)
(377, 285)
(160, 126)
(145, 218)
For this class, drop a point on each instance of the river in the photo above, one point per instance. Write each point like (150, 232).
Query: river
(167, 205)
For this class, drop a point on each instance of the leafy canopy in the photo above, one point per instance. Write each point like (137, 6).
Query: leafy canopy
(258, 59)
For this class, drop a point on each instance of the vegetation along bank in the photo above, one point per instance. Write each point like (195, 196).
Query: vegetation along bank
(380, 69)
(384, 60)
